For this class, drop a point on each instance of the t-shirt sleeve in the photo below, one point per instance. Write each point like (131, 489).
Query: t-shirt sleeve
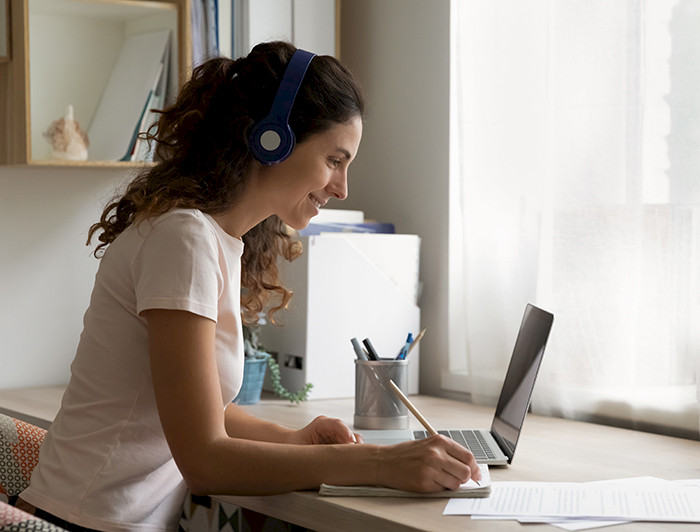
(177, 267)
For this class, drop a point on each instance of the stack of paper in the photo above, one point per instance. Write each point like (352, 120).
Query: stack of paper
(577, 506)
(469, 489)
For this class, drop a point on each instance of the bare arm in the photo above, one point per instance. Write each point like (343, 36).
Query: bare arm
(241, 424)
(228, 451)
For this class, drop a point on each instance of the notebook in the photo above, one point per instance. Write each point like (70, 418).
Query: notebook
(469, 489)
(496, 446)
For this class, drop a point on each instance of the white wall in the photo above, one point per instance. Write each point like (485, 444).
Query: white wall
(46, 271)
(400, 51)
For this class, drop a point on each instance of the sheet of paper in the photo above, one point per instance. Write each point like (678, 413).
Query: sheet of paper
(647, 501)
(576, 524)
(571, 524)
(693, 482)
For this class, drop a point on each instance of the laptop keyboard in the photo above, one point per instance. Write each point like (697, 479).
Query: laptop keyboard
(471, 439)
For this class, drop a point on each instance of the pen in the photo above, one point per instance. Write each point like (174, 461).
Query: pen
(361, 355)
(405, 400)
(371, 353)
(404, 349)
(415, 342)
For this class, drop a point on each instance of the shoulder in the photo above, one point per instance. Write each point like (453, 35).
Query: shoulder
(180, 217)
(177, 231)
(184, 222)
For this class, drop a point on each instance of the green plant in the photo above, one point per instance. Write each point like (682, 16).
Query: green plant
(281, 391)
(254, 349)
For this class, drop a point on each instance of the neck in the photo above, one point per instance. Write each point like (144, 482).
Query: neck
(248, 211)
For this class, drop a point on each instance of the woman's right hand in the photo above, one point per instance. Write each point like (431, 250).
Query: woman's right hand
(428, 465)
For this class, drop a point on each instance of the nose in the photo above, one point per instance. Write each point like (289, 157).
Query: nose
(338, 186)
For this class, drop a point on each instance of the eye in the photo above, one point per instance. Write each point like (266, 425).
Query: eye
(334, 162)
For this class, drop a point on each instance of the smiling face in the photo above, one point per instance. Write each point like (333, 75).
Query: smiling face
(316, 171)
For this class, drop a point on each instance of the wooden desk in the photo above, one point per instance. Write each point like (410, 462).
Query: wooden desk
(550, 450)
(34, 405)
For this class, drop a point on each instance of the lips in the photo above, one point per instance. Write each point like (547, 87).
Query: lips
(316, 202)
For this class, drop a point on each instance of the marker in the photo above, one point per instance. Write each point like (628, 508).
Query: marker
(361, 355)
(371, 353)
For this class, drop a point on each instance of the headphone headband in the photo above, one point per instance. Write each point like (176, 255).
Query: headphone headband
(272, 139)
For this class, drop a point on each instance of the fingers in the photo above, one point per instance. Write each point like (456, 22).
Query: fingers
(457, 464)
(464, 456)
(433, 464)
(324, 430)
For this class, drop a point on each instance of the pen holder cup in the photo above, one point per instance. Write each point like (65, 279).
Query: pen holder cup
(376, 404)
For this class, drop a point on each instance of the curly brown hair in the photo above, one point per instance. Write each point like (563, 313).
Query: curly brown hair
(204, 161)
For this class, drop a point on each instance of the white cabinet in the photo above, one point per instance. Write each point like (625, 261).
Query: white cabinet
(346, 285)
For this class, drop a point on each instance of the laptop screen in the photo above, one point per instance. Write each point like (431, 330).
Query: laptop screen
(520, 378)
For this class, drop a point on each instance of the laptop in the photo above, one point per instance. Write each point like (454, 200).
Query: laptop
(496, 446)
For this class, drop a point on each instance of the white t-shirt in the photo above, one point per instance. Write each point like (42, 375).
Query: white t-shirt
(105, 462)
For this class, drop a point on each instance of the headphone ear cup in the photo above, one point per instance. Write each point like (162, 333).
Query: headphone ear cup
(271, 142)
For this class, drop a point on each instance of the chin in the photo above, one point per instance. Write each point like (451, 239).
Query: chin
(297, 225)
(298, 218)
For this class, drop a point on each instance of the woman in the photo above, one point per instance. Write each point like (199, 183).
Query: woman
(187, 252)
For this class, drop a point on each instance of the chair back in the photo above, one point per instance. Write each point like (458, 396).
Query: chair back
(19, 454)
(13, 519)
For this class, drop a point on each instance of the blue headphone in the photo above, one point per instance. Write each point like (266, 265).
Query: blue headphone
(272, 140)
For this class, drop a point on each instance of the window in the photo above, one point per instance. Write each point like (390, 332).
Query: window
(575, 180)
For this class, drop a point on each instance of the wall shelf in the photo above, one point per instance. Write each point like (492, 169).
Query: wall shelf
(62, 53)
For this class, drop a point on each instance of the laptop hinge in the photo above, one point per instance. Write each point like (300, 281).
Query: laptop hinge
(506, 447)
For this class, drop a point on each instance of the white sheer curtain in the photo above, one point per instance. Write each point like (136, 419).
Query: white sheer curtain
(576, 178)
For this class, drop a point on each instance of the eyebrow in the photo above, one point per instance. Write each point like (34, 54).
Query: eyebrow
(345, 152)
